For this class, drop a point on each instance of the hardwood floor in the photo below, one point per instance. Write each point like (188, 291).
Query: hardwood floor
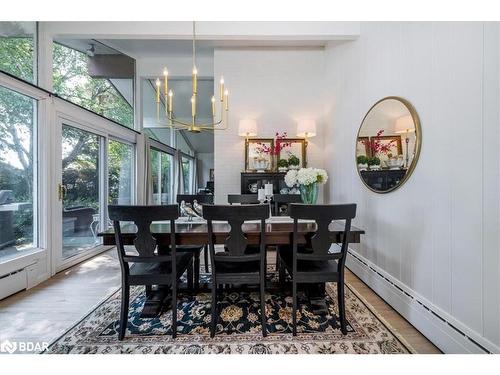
(43, 313)
(418, 341)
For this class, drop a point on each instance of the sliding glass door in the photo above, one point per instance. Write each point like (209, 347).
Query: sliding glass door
(80, 190)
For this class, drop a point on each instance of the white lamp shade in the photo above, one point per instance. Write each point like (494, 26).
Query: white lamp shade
(247, 128)
(306, 128)
(404, 124)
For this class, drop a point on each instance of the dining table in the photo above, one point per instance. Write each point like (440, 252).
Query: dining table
(278, 231)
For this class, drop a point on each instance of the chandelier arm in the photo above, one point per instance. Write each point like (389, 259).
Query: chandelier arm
(176, 121)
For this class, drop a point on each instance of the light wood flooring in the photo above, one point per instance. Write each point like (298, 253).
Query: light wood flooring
(43, 313)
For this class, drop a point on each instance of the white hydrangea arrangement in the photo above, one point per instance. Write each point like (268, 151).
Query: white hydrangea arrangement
(305, 176)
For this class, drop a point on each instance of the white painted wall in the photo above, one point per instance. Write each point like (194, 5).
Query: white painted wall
(275, 87)
(205, 163)
(438, 234)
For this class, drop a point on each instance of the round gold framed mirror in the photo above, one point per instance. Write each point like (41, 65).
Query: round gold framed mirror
(388, 144)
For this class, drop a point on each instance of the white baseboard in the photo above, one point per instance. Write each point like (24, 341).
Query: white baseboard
(447, 334)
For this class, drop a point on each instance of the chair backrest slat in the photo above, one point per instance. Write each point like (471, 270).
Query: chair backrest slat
(320, 242)
(242, 198)
(142, 217)
(236, 240)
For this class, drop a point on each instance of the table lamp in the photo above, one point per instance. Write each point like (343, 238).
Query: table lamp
(247, 128)
(306, 128)
(405, 125)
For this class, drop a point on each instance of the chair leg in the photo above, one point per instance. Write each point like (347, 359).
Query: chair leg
(190, 276)
(196, 271)
(294, 308)
(281, 276)
(124, 310)
(263, 305)
(213, 322)
(149, 290)
(174, 310)
(205, 254)
(341, 302)
(277, 259)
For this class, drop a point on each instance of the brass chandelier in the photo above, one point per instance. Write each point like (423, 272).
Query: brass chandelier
(171, 121)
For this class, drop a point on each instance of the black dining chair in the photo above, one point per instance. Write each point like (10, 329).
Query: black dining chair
(238, 263)
(152, 266)
(283, 201)
(201, 199)
(314, 262)
(242, 199)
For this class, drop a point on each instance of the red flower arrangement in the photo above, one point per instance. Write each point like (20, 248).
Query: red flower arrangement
(279, 144)
(375, 145)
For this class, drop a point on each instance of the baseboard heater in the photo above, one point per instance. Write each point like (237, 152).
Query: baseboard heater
(453, 340)
(13, 282)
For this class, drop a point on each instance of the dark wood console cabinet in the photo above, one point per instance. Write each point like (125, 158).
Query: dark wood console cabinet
(383, 179)
(250, 178)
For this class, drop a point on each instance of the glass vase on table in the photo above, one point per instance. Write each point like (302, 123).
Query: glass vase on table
(309, 193)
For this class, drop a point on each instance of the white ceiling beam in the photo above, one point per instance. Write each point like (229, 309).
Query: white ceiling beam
(207, 30)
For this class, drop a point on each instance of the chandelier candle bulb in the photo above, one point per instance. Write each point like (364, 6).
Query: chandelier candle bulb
(170, 101)
(221, 87)
(193, 106)
(195, 80)
(226, 99)
(165, 74)
(213, 106)
(158, 83)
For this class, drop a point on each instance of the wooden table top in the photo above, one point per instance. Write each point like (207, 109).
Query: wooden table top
(196, 233)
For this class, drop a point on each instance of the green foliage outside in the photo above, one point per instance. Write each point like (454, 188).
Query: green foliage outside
(160, 174)
(81, 155)
(72, 82)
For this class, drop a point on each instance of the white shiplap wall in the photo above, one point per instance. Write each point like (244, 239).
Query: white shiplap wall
(275, 87)
(438, 235)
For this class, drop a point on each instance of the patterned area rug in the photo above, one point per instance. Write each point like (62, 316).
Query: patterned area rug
(238, 328)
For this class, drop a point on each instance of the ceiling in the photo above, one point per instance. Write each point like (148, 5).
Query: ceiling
(83, 45)
(138, 48)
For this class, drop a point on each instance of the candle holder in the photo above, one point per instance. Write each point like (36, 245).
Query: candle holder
(268, 200)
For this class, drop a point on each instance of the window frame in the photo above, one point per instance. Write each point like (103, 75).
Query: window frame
(133, 190)
(40, 174)
(135, 125)
(161, 147)
(191, 159)
(36, 53)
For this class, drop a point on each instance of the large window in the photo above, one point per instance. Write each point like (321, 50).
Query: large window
(161, 175)
(99, 79)
(18, 230)
(120, 172)
(18, 49)
(187, 174)
(152, 127)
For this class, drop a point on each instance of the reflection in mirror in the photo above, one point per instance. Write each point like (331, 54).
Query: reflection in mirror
(388, 144)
